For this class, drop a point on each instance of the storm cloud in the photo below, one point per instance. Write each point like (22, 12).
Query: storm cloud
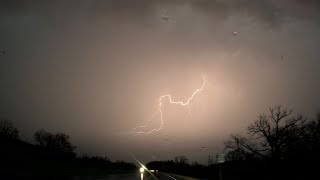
(94, 69)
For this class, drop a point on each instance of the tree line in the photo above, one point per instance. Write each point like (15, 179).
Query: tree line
(51, 154)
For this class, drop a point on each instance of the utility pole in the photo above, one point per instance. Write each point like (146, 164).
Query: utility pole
(210, 160)
(220, 172)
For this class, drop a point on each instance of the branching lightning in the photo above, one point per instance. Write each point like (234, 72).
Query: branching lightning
(160, 113)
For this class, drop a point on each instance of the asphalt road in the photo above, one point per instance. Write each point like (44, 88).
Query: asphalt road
(164, 176)
(161, 176)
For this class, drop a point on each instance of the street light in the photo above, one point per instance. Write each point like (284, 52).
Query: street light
(141, 172)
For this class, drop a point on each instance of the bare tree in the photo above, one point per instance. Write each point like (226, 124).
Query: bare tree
(242, 147)
(7, 130)
(271, 135)
(57, 142)
(42, 137)
(181, 159)
(313, 134)
(235, 155)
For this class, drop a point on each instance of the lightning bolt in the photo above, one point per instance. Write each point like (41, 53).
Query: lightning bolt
(160, 113)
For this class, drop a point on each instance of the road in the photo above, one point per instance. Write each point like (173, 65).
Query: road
(161, 176)
(164, 176)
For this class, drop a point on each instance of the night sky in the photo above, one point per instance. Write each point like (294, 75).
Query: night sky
(95, 69)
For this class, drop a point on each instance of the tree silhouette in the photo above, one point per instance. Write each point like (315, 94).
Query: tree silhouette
(58, 142)
(271, 135)
(181, 159)
(235, 155)
(313, 134)
(8, 131)
(241, 148)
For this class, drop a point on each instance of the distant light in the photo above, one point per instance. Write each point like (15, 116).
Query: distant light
(141, 170)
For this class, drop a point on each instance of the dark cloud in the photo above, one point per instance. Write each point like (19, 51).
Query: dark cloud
(272, 12)
(261, 10)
